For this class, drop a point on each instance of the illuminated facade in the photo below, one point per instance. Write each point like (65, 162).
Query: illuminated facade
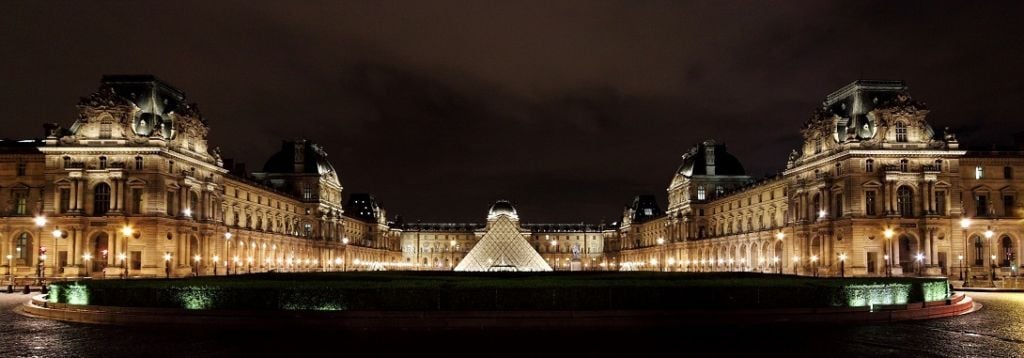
(132, 185)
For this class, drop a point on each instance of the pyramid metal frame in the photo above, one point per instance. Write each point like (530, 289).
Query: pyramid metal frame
(503, 246)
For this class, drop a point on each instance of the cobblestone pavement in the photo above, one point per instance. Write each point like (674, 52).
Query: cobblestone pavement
(995, 331)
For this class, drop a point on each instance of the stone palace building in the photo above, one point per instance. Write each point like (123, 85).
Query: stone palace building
(132, 187)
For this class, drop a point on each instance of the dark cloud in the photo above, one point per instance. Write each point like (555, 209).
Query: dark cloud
(568, 108)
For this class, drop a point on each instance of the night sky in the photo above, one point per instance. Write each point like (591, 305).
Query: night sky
(568, 109)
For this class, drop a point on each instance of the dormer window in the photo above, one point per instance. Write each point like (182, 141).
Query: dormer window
(817, 146)
(901, 132)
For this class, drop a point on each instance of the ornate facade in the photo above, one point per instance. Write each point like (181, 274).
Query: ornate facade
(133, 186)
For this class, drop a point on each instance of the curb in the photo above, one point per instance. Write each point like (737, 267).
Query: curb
(454, 320)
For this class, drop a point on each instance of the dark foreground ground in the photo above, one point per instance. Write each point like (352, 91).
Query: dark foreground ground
(995, 331)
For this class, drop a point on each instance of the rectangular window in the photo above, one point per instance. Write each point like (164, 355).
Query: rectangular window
(136, 260)
(105, 132)
(65, 200)
(839, 205)
(981, 205)
(170, 166)
(103, 162)
(1008, 172)
(979, 172)
(1008, 204)
(869, 166)
(938, 165)
(136, 201)
(20, 203)
(869, 202)
(940, 202)
(138, 163)
(901, 132)
(67, 162)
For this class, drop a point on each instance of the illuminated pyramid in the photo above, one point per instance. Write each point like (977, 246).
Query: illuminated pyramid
(503, 248)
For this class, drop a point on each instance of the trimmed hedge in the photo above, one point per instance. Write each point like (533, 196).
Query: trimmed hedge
(422, 291)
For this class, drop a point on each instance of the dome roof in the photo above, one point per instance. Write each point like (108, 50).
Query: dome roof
(301, 157)
(502, 207)
(716, 161)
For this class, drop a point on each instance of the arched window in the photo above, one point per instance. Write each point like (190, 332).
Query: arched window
(901, 132)
(101, 199)
(905, 201)
(979, 251)
(22, 248)
(1007, 251)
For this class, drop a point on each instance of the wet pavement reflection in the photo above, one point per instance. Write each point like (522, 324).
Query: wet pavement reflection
(995, 331)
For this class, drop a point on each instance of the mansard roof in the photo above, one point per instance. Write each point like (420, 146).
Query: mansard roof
(696, 161)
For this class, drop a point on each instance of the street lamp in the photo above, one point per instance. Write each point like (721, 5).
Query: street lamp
(920, 258)
(86, 257)
(661, 251)
(234, 264)
(965, 223)
(888, 245)
(344, 243)
(216, 259)
(197, 258)
(992, 265)
(842, 264)
(779, 236)
(961, 257)
(775, 261)
(249, 261)
(796, 261)
(10, 260)
(167, 264)
(814, 264)
(127, 232)
(123, 258)
(40, 221)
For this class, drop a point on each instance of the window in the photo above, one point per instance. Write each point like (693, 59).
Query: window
(904, 165)
(839, 169)
(21, 251)
(817, 146)
(101, 199)
(901, 132)
(938, 165)
(20, 203)
(869, 166)
(905, 201)
(839, 205)
(103, 162)
(170, 166)
(940, 202)
(869, 202)
(65, 200)
(979, 172)
(21, 169)
(979, 251)
(105, 130)
(67, 162)
(719, 191)
(138, 163)
(981, 204)
(1008, 204)
(136, 201)
(1007, 172)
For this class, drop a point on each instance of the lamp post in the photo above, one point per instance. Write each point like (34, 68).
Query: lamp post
(452, 250)
(775, 261)
(197, 258)
(842, 265)
(86, 257)
(814, 264)
(920, 260)
(234, 264)
(344, 248)
(661, 252)
(961, 268)
(216, 259)
(10, 274)
(127, 232)
(40, 221)
(249, 262)
(123, 258)
(227, 252)
(965, 223)
(167, 264)
(796, 261)
(992, 264)
(780, 236)
(888, 233)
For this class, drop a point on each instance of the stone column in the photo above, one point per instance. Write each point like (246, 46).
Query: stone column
(80, 204)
